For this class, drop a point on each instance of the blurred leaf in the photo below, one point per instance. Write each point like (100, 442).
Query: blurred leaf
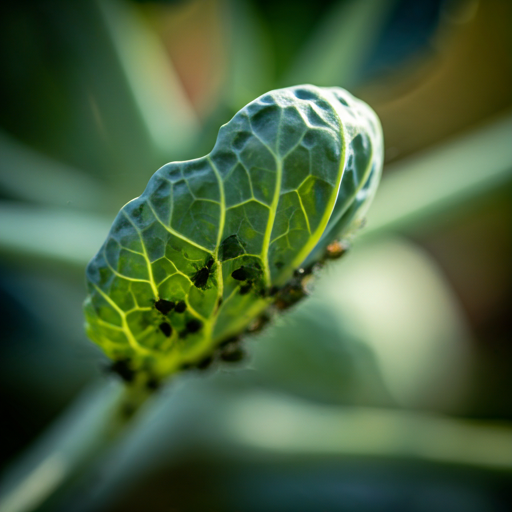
(192, 261)
(425, 186)
(57, 234)
(337, 52)
(249, 53)
(27, 174)
(387, 293)
(282, 425)
(310, 353)
(158, 93)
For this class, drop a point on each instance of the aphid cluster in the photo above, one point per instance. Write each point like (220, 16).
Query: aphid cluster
(124, 369)
(200, 278)
(249, 276)
(165, 307)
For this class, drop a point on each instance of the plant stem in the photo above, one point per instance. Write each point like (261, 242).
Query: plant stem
(45, 475)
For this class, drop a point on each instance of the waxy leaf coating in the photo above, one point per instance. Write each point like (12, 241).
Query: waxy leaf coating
(189, 263)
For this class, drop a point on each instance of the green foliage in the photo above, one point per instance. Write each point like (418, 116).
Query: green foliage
(213, 242)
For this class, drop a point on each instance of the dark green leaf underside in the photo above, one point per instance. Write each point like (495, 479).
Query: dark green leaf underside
(215, 234)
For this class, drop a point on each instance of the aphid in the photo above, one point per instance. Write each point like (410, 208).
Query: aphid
(166, 328)
(200, 278)
(205, 363)
(153, 383)
(164, 306)
(259, 323)
(230, 340)
(336, 250)
(240, 274)
(180, 307)
(123, 369)
(232, 353)
(245, 289)
(292, 293)
(231, 247)
(244, 273)
(194, 325)
(273, 290)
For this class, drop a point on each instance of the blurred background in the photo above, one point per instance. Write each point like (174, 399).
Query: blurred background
(390, 389)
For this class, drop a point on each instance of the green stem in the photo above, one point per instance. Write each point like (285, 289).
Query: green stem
(72, 446)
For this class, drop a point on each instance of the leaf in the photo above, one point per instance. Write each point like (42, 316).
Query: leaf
(189, 263)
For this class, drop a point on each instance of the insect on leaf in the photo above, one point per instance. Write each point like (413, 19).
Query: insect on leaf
(189, 263)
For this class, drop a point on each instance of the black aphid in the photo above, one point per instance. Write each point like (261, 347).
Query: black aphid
(123, 369)
(153, 383)
(290, 294)
(232, 354)
(200, 278)
(166, 328)
(245, 273)
(180, 307)
(258, 324)
(194, 325)
(245, 289)
(231, 247)
(240, 274)
(164, 306)
(229, 341)
(205, 363)
(272, 291)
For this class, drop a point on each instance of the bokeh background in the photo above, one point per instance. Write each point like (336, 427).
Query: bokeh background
(390, 389)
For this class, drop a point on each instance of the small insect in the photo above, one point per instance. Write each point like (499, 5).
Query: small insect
(289, 295)
(194, 325)
(123, 369)
(240, 274)
(336, 250)
(259, 323)
(273, 290)
(245, 289)
(166, 328)
(228, 341)
(244, 273)
(231, 247)
(205, 363)
(232, 353)
(153, 383)
(200, 278)
(180, 307)
(164, 306)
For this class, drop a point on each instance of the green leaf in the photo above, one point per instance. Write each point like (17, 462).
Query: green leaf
(189, 263)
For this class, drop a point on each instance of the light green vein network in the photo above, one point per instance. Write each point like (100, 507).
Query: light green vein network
(291, 171)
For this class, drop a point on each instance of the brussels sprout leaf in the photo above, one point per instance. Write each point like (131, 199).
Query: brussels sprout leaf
(199, 255)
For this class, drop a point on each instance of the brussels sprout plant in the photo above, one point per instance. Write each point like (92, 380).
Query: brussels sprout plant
(210, 252)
